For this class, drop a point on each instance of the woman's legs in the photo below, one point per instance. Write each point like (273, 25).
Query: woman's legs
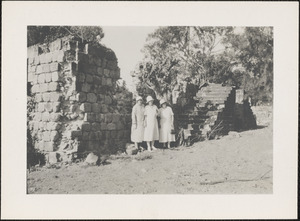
(148, 146)
(169, 144)
(152, 145)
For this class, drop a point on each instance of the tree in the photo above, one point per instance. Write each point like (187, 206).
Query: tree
(253, 51)
(46, 34)
(178, 55)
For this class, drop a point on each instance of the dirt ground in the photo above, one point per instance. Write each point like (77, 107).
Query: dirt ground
(239, 163)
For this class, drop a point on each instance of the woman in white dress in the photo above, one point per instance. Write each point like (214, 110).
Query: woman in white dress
(151, 125)
(166, 124)
(137, 127)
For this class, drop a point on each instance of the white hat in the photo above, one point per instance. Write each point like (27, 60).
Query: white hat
(149, 98)
(162, 101)
(138, 98)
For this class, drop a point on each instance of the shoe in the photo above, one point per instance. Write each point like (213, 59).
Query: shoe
(154, 148)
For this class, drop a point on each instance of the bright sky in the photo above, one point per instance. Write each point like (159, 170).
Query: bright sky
(127, 43)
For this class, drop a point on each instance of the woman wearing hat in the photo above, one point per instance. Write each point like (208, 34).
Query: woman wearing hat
(166, 124)
(137, 128)
(150, 122)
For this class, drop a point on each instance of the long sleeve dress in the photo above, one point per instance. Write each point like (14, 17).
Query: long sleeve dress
(137, 128)
(165, 125)
(151, 130)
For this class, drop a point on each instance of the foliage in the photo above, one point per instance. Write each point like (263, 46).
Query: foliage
(177, 56)
(123, 97)
(46, 34)
(253, 50)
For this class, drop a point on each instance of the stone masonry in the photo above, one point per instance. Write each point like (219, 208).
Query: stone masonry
(73, 85)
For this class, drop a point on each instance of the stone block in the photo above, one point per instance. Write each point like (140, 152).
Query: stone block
(42, 126)
(120, 125)
(53, 86)
(90, 117)
(76, 133)
(55, 116)
(48, 77)
(32, 68)
(43, 87)
(54, 67)
(96, 108)
(104, 108)
(55, 76)
(103, 81)
(89, 78)
(52, 158)
(42, 59)
(107, 135)
(86, 126)
(39, 97)
(35, 88)
(111, 126)
(103, 126)
(115, 118)
(53, 126)
(86, 107)
(56, 106)
(45, 68)
(97, 80)
(48, 57)
(48, 106)
(91, 97)
(99, 71)
(92, 136)
(61, 56)
(46, 136)
(117, 73)
(81, 96)
(104, 62)
(86, 87)
(85, 135)
(49, 146)
(80, 78)
(55, 96)
(30, 76)
(120, 134)
(99, 135)
(109, 82)
(41, 78)
(41, 107)
(35, 79)
(41, 145)
(45, 116)
(95, 126)
(108, 100)
(108, 118)
(114, 134)
(37, 116)
(106, 72)
(39, 69)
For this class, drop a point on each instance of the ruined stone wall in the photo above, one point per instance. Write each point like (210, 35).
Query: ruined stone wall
(73, 85)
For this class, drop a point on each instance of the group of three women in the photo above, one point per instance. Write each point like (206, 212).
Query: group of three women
(147, 127)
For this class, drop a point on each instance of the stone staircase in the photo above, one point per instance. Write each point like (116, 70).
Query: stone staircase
(212, 113)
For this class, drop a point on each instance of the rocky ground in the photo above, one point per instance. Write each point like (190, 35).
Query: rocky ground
(238, 163)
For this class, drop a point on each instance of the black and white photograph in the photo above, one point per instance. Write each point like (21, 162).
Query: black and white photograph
(145, 114)
(194, 115)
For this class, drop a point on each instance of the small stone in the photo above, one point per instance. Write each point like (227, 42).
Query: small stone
(45, 116)
(111, 126)
(55, 96)
(53, 86)
(54, 67)
(89, 78)
(46, 68)
(54, 76)
(56, 106)
(95, 127)
(48, 77)
(96, 107)
(91, 159)
(86, 87)
(48, 107)
(38, 97)
(54, 135)
(90, 117)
